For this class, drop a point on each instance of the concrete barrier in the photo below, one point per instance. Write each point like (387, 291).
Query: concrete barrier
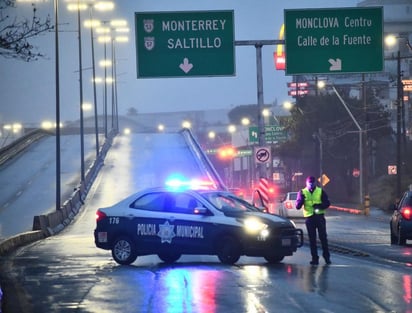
(19, 240)
(52, 223)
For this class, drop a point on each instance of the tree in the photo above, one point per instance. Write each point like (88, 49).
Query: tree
(15, 32)
(323, 121)
(131, 112)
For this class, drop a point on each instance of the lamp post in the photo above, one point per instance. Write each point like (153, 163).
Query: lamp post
(93, 23)
(121, 27)
(391, 40)
(79, 7)
(114, 25)
(246, 122)
(57, 75)
(398, 127)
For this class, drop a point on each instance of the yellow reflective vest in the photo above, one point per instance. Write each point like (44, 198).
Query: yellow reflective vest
(312, 198)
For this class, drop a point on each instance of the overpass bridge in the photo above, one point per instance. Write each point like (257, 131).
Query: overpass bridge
(27, 175)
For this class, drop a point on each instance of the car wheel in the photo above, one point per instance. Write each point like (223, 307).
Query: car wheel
(274, 258)
(169, 257)
(394, 239)
(124, 250)
(401, 239)
(228, 250)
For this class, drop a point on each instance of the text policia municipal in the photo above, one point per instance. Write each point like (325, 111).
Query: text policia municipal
(194, 26)
(330, 23)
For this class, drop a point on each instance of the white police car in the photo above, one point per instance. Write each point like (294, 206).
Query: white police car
(171, 223)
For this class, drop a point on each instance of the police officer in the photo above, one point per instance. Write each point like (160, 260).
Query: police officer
(314, 201)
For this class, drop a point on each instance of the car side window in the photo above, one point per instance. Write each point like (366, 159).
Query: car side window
(149, 202)
(186, 204)
(407, 202)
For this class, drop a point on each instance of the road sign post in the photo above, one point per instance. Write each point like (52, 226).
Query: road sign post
(183, 44)
(335, 40)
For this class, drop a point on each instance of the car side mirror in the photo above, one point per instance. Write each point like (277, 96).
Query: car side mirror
(200, 210)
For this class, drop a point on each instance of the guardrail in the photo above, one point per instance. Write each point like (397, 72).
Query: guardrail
(17, 146)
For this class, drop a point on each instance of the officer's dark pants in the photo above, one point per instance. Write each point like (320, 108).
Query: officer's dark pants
(313, 223)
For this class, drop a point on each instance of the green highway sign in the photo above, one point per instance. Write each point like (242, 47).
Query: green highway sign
(335, 40)
(273, 134)
(185, 44)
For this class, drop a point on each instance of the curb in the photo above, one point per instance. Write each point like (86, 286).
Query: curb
(348, 210)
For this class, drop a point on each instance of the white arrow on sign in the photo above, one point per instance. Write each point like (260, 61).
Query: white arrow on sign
(186, 66)
(336, 65)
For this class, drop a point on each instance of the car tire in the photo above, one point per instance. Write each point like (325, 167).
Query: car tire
(228, 250)
(394, 238)
(169, 257)
(274, 258)
(124, 250)
(401, 239)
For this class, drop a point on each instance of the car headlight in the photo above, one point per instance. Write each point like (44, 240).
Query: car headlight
(255, 226)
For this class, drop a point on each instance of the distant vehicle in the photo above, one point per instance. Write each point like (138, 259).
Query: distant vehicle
(401, 220)
(288, 205)
(170, 223)
(238, 192)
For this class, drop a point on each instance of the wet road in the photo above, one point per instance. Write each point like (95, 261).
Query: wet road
(67, 273)
(28, 181)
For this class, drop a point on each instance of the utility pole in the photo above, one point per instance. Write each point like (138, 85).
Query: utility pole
(398, 127)
(261, 123)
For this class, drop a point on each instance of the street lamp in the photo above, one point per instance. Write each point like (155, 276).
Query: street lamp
(78, 7)
(186, 124)
(92, 24)
(114, 26)
(391, 40)
(160, 128)
(105, 63)
(57, 75)
(211, 135)
(399, 105)
(119, 27)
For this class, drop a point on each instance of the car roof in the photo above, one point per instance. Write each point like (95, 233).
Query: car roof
(177, 190)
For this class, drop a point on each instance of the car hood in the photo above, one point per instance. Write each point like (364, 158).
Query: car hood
(264, 217)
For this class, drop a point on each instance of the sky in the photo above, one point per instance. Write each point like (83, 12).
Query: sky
(27, 89)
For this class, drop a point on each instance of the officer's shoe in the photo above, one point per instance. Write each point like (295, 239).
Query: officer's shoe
(328, 261)
(314, 262)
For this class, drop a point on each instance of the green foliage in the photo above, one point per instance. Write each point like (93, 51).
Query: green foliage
(322, 122)
(249, 111)
(16, 32)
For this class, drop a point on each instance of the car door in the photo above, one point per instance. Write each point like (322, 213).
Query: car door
(151, 218)
(396, 216)
(190, 229)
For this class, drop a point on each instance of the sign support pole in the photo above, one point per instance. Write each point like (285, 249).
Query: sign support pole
(361, 171)
(259, 72)
(261, 121)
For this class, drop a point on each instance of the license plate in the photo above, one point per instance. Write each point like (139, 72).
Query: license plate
(102, 236)
(286, 242)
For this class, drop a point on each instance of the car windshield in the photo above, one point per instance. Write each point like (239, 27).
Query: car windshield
(408, 201)
(293, 195)
(228, 202)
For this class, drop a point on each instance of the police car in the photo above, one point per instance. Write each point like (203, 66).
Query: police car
(171, 222)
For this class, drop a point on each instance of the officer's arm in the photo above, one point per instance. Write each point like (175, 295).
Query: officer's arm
(300, 200)
(325, 200)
